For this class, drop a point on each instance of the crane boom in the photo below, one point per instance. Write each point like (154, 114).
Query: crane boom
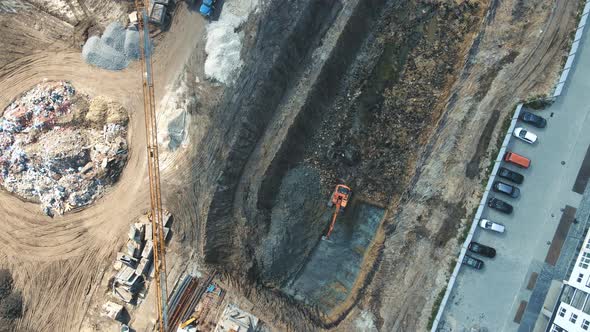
(151, 133)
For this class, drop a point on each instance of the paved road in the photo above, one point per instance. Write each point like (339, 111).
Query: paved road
(490, 298)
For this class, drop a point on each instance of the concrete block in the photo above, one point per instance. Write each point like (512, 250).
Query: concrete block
(564, 75)
(501, 153)
(558, 89)
(569, 62)
(579, 34)
(586, 9)
(574, 48)
(517, 111)
(583, 21)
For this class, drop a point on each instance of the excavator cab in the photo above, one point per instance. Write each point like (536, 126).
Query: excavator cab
(339, 199)
(340, 195)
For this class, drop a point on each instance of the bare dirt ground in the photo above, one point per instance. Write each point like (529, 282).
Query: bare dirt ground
(59, 263)
(516, 54)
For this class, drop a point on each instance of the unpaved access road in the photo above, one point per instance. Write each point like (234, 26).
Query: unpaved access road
(58, 263)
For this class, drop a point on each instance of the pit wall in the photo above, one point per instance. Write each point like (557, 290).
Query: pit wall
(557, 92)
(288, 152)
(283, 40)
(273, 68)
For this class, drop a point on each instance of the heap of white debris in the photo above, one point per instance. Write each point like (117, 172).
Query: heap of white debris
(58, 149)
(224, 42)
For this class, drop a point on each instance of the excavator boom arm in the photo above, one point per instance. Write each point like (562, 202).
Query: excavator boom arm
(334, 216)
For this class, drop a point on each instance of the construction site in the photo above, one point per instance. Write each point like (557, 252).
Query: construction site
(253, 165)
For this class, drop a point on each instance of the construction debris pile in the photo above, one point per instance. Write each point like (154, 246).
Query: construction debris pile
(58, 150)
(115, 50)
(134, 264)
(235, 319)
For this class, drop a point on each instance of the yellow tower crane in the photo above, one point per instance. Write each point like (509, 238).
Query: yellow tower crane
(153, 163)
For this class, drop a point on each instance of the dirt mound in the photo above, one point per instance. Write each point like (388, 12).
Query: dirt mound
(102, 111)
(51, 156)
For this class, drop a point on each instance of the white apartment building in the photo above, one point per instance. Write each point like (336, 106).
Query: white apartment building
(572, 311)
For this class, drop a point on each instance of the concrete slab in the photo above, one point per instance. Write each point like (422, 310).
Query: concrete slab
(583, 21)
(579, 33)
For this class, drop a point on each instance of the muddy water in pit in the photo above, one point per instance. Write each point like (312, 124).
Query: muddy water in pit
(328, 276)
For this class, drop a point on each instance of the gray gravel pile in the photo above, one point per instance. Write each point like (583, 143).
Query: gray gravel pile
(114, 36)
(132, 43)
(115, 50)
(296, 224)
(96, 52)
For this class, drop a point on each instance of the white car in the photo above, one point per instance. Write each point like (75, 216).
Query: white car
(491, 226)
(525, 135)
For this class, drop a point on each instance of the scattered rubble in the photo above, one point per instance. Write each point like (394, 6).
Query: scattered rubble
(53, 153)
(112, 310)
(235, 319)
(134, 263)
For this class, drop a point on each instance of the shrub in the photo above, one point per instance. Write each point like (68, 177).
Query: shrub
(5, 283)
(12, 306)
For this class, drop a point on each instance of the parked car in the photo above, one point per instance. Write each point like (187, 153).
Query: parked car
(506, 189)
(500, 205)
(516, 159)
(533, 119)
(207, 8)
(473, 262)
(513, 176)
(481, 249)
(491, 225)
(525, 135)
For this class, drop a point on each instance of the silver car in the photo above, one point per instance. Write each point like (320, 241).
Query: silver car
(525, 135)
(491, 226)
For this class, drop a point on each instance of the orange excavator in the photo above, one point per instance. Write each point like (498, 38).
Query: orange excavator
(339, 199)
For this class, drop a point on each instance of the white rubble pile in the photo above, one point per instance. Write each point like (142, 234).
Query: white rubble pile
(47, 155)
(224, 44)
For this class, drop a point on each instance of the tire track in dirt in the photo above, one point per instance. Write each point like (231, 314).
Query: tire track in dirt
(59, 263)
(56, 261)
(449, 150)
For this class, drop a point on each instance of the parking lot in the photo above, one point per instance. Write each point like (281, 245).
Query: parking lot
(490, 298)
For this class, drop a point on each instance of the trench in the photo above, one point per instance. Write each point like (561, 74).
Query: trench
(257, 220)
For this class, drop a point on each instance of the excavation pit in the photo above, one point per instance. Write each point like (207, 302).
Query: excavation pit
(328, 277)
(61, 149)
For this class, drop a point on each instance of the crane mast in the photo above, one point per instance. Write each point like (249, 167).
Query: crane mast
(153, 164)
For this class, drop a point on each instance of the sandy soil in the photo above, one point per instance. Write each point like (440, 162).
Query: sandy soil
(58, 263)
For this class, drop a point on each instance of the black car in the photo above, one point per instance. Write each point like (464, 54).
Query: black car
(473, 262)
(500, 205)
(534, 119)
(506, 189)
(481, 249)
(513, 176)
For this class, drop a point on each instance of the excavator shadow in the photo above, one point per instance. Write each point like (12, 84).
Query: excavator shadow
(328, 276)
